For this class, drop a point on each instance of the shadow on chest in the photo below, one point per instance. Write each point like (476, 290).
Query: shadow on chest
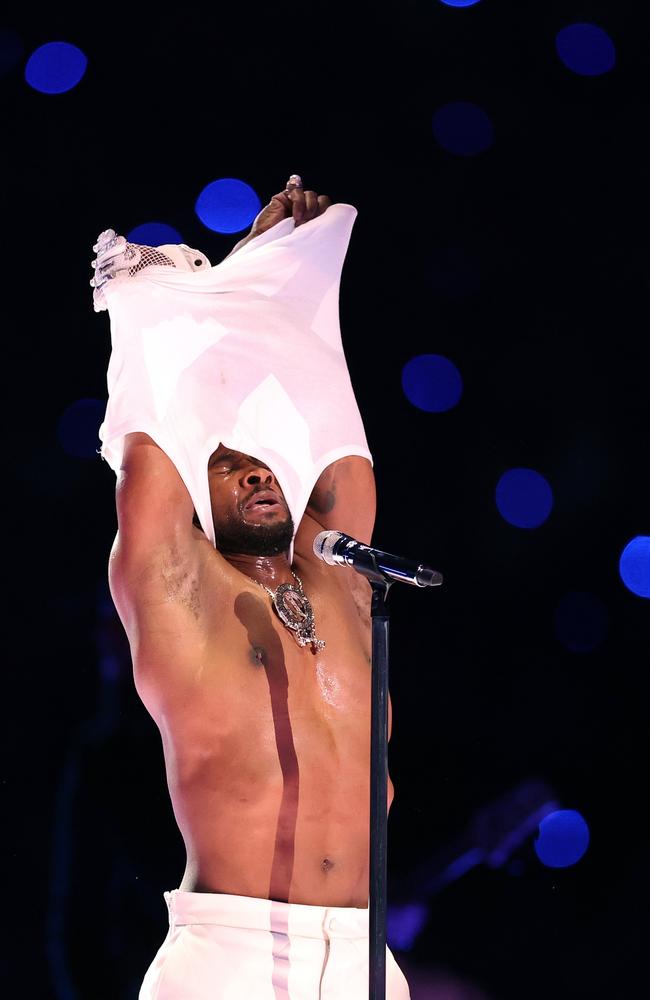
(264, 647)
(336, 682)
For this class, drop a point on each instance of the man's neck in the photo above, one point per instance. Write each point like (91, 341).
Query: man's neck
(270, 571)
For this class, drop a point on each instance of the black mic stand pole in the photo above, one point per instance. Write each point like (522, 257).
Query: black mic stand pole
(380, 580)
(378, 788)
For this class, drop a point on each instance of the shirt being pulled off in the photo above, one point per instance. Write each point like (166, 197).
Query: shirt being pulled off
(247, 354)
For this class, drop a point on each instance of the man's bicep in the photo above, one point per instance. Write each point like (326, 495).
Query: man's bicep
(153, 503)
(344, 498)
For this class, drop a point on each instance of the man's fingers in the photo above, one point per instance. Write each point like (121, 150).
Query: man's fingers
(311, 204)
(105, 239)
(323, 203)
(307, 205)
(107, 244)
(115, 263)
(303, 205)
(104, 257)
(284, 200)
(297, 196)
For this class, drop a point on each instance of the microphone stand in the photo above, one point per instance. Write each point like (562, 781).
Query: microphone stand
(380, 582)
(378, 788)
(381, 570)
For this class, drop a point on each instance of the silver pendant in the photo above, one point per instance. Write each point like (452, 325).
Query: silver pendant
(294, 609)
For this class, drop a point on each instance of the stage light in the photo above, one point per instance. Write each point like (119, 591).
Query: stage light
(55, 67)
(634, 565)
(154, 234)
(78, 428)
(459, 3)
(524, 498)
(227, 205)
(463, 128)
(585, 49)
(432, 383)
(404, 922)
(563, 838)
(11, 50)
(581, 622)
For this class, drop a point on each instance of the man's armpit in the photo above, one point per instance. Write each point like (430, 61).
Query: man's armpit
(181, 581)
(323, 497)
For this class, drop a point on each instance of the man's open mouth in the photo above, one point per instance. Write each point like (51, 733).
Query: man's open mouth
(265, 499)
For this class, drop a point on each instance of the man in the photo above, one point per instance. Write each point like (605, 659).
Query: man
(253, 658)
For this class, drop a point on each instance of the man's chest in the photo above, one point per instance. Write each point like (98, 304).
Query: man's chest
(259, 661)
(250, 679)
(263, 708)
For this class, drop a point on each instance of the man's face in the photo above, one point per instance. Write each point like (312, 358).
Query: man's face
(250, 514)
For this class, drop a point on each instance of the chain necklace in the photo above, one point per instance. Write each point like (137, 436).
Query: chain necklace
(294, 608)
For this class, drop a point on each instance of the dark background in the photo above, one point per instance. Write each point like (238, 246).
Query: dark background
(551, 340)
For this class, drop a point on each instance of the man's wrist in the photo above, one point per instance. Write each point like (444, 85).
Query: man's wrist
(246, 239)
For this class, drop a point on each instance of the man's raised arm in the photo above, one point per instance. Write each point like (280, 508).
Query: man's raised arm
(345, 499)
(155, 549)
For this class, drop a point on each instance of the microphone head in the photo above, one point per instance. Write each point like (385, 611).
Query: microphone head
(428, 577)
(324, 543)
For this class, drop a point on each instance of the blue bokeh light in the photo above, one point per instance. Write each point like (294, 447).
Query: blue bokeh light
(55, 67)
(11, 50)
(78, 428)
(432, 383)
(524, 498)
(459, 3)
(563, 838)
(634, 565)
(227, 205)
(463, 128)
(581, 622)
(586, 49)
(154, 234)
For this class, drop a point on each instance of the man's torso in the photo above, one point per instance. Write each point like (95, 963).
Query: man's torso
(267, 744)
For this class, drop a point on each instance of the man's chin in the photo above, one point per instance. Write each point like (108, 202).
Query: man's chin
(249, 539)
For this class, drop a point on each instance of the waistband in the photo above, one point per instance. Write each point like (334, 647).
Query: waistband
(298, 919)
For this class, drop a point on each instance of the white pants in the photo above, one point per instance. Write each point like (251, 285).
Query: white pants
(225, 947)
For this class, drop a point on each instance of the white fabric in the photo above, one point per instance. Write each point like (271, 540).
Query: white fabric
(247, 353)
(225, 947)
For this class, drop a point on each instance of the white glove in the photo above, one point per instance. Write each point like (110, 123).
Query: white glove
(116, 258)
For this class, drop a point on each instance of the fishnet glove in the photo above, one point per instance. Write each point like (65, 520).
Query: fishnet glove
(116, 258)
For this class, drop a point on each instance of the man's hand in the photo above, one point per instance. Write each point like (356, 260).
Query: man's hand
(115, 257)
(302, 205)
(292, 202)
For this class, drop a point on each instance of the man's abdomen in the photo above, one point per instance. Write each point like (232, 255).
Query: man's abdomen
(298, 837)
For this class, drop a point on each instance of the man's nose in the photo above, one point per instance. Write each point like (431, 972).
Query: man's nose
(258, 474)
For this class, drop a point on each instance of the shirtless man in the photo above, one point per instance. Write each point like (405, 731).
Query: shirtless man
(266, 742)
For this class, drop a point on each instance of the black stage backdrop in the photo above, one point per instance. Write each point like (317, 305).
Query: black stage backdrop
(527, 266)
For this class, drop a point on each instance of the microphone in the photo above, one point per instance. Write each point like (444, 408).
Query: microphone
(337, 549)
